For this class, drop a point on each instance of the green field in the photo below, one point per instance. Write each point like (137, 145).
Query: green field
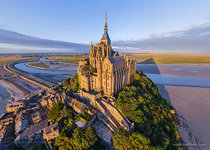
(8, 59)
(74, 59)
(140, 58)
(12, 58)
(147, 58)
(172, 58)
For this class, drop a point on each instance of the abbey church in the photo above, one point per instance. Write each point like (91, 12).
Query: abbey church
(105, 71)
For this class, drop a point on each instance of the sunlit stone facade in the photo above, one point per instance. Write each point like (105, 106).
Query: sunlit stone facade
(105, 70)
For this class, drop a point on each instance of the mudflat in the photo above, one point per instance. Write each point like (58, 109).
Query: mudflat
(188, 70)
(16, 93)
(193, 103)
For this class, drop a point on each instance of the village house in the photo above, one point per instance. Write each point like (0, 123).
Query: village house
(76, 105)
(11, 108)
(51, 132)
(31, 135)
(37, 117)
(52, 97)
(7, 135)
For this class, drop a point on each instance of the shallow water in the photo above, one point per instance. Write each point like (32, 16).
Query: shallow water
(5, 98)
(188, 70)
(26, 68)
(179, 80)
(178, 74)
(56, 75)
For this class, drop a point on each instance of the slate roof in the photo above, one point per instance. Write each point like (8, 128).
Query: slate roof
(77, 104)
(51, 128)
(116, 59)
(21, 125)
(105, 36)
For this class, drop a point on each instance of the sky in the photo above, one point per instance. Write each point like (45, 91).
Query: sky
(81, 21)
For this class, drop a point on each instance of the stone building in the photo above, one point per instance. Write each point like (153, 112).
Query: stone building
(7, 135)
(15, 106)
(51, 132)
(76, 105)
(105, 71)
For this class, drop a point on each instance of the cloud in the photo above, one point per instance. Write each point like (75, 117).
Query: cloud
(193, 40)
(3, 26)
(11, 42)
(12, 48)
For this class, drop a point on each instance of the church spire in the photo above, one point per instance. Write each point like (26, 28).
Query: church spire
(105, 24)
(105, 36)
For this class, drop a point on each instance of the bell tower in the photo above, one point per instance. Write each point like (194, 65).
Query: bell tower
(105, 40)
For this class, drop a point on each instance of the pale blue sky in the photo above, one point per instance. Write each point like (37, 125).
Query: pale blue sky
(82, 20)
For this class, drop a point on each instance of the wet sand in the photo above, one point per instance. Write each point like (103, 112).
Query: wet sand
(16, 93)
(5, 98)
(194, 104)
(188, 70)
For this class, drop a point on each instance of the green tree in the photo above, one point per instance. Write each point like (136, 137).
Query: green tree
(66, 83)
(75, 83)
(141, 103)
(123, 141)
(80, 139)
(55, 113)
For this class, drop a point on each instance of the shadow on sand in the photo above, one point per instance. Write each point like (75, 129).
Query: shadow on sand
(150, 66)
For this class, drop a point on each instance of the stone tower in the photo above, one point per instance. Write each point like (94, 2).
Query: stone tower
(105, 71)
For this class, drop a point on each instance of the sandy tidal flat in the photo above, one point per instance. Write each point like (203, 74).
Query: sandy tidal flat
(13, 90)
(194, 104)
(186, 70)
(4, 98)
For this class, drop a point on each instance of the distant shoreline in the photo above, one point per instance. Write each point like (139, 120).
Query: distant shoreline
(145, 58)
(141, 58)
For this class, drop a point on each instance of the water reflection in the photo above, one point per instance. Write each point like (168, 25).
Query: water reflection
(24, 67)
(179, 80)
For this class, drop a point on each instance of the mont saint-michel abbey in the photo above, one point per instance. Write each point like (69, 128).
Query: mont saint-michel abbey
(105, 71)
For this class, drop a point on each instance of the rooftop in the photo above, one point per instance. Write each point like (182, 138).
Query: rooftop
(77, 103)
(51, 128)
(105, 36)
(116, 59)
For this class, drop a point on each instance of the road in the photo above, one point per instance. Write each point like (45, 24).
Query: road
(10, 67)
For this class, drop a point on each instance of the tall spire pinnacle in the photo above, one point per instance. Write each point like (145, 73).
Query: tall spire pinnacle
(105, 36)
(106, 24)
